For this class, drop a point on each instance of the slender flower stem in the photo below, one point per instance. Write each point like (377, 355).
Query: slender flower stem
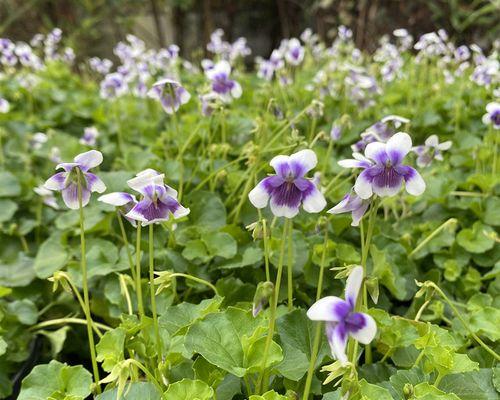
(86, 299)
(433, 234)
(152, 293)
(125, 241)
(266, 248)
(124, 290)
(317, 333)
(148, 374)
(64, 321)
(138, 287)
(195, 279)
(290, 265)
(262, 383)
(326, 162)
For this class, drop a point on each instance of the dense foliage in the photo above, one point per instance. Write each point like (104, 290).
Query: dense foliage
(431, 261)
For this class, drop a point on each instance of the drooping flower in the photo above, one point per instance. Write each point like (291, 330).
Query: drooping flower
(351, 203)
(90, 135)
(222, 84)
(4, 106)
(341, 318)
(431, 150)
(294, 53)
(37, 140)
(170, 93)
(123, 201)
(492, 116)
(158, 202)
(67, 182)
(383, 172)
(289, 189)
(47, 196)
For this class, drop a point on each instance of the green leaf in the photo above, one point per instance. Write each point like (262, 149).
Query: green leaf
(474, 385)
(51, 257)
(425, 391)
(9, 185)
(56, 379)
(7, 210)
(372, 392)
(56, 339)
(297, 333)
(19, 273)
(196, 249)
(188, 389)
(477, 239)
(226, 339)
(207, 210)
(110, 348)
(133, 391)
(24, 310)
(220, 244)
(270, 395)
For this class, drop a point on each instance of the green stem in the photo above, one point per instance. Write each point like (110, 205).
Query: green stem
(327, 157)
(196, 279)
(290, 265)
(138, 287)
(262, 382)
(432, 235)
(64, 321)
(148, 374)
(317, 334)
(152, 293)
(266, 249)
(125, 241)
(86, 299)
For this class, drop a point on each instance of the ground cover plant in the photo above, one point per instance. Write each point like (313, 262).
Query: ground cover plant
(324, 226)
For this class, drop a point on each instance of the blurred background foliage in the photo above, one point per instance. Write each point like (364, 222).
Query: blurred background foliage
(94, 26)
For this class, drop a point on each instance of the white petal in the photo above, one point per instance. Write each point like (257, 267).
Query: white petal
(363, 187)
(490, 107)
(307, 158)
(314, 202)
(432, 140)
(415, 185)
(323, 309)
(353, 285)
(338, 344)
(259, 196)
(181, 212)
(399, 142)
(445, 145)
(116, 199)
(283, 210)
(350, 163)
(278, 160)
(486, 119)
(368, 332)
(144, 178)
(89, 159)
(236, 91)
(374, 149)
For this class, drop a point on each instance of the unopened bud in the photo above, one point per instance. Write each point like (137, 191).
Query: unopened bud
(263, 293)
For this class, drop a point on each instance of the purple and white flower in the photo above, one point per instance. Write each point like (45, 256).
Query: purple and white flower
(55, 155)
(335, 132)
(101, 66)
(341, 318)
(47, 196)
(383, 172)
(170, 93)
(294, 53)
(431, 150)
(4, 106)
(158, 202)
(289, 189)
(492, 116)
(222, 84)
(90, 135)
(123, 201)
(354, 204)
(67, 182)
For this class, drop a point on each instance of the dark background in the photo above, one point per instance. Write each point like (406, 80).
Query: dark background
(92, 27)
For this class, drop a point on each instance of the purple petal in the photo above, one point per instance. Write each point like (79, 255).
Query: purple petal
(56, 181)
(281, 166)
(361, 327)
(259, 195)
(302, 162)
(363, 184)
(398, 147)
(376, 151)
(330, 308)
(94, 183)
(415, 185)
(337, 339)
(387, 182)
(313, 200)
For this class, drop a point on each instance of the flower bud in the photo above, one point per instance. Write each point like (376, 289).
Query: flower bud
(263, 293)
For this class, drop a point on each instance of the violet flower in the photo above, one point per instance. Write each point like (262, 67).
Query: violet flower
(159, 201)
(289, 189)
(341, 319)
(67, 183)
(4, 106)
(431, 150)
(123, 201)
(294, 54)
(492, 116)
(226, 88)
(383, 172)
(170, 93)
(354, 204)
(335, 132)
(90, 136)
(38, 140)
(47, 196)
